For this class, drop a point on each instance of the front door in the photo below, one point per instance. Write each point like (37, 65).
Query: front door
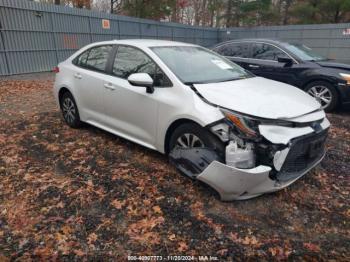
(263, 62)
(131, 111)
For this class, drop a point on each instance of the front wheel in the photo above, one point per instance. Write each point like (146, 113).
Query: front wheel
(324, 93)
(192, 135)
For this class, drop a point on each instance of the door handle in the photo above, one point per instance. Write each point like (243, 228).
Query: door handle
(109, 86)
(254, 66)
(78, 76)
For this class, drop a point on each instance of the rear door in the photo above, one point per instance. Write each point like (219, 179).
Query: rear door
(236, 52)
(89, 73)
(264, 63)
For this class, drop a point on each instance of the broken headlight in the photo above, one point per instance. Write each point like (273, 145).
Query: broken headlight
(243, 126)
(247, 127)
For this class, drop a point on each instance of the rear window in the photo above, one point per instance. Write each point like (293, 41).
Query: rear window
(81, 60)
(234, 50)
(97, 59)
(94, 59)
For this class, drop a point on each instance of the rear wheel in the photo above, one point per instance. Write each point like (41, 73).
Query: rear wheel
(70, 110)
(324, 93)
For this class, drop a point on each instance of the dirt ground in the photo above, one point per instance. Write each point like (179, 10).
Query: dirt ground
(84, 194)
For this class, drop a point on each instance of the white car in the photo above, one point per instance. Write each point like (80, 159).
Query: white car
(241, 134)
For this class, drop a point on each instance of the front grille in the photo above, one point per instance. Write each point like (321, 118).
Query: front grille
(305, 151)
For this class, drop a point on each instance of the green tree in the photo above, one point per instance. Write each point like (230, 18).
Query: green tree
(152, 9)
(306, 12)
(251, 13)
(334, 11)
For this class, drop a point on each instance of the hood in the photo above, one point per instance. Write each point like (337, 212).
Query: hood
(334, 65)
(259, 97)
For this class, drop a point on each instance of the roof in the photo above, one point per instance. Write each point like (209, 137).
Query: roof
(145, 42)
(266, 40)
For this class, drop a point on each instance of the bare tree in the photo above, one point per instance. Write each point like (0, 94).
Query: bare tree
(116, 6)
(286, 4)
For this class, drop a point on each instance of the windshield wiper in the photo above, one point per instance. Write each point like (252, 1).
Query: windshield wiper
(216, 81)
(318, 60)
(193, 83)
(233, 79)
(228, 80)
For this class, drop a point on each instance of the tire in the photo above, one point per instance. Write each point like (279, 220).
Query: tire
(70, 110)
(208, 139)
(316, 88)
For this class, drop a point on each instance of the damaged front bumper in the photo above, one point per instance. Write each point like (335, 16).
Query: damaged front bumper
(238, 184)
(301, 149)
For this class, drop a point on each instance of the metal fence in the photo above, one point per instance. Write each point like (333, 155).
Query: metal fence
(329, 40)
(35, 37)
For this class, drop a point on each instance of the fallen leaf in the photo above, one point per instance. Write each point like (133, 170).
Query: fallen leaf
(92, 238)
(79, 253)
(118, 204)
(172, 237)
(67, 230)
(312, 247)
(182, 247)
(157, 209)
(60, 205)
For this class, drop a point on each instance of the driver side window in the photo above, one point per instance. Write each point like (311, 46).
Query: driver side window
(130, 60)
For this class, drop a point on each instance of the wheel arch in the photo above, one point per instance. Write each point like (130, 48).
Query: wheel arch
(61, 92)
(316, 79)
(338, 94)
(173, 127)
(320, 80)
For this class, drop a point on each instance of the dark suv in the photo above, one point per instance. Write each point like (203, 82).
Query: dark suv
(295, 64)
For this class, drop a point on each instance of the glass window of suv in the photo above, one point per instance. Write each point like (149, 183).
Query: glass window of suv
(267, 52)
(130, 60)
(234, 50)
(97, 58)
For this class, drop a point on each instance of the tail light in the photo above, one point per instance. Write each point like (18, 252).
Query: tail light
(56, 69)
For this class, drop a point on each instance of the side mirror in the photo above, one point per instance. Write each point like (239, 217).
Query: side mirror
(142, 79)
(286, 61)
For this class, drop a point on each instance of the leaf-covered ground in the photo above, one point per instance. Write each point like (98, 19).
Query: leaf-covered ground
(69, 194)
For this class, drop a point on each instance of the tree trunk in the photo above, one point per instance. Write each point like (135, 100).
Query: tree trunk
(57, 2)
(229, 14)
(286, 11)
(174, 14)
(337, 16)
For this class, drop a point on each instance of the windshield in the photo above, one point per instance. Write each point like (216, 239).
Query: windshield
(304, 53)
(194, 65)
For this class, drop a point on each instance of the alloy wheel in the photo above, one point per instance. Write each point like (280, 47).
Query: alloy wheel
(322, 94)
(69, 111)
(189, 141)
